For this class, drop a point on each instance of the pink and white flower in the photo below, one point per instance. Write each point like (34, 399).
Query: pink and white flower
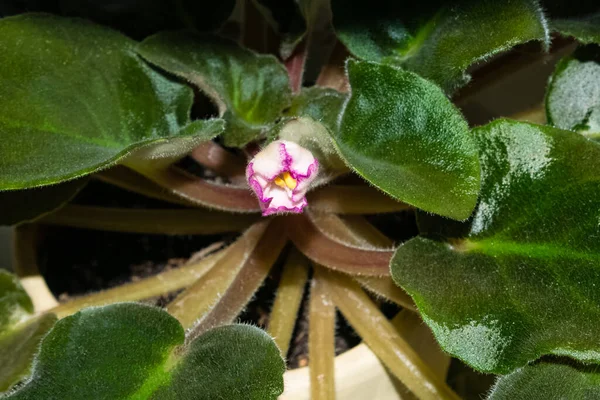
(280, 175)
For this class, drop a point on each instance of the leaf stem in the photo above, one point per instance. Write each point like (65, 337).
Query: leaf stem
(383, 339)
(202, 192)
(224, 163)
(334, 254)
(200, 297)
(355, 230)
(130, 180)
(536, 115)
(247, 281)
(353, 199)
(153, 286)
(333, 74)
(288, 299)
(321, 340)
(156, 221)
(386, 288)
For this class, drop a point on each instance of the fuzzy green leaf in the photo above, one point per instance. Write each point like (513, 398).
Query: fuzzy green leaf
(321, 104)
(437, 40)
(546, 381)
(75, 97)
(230, 362)
(401, 133)
(132, 351)
(18, 347)
(521, 281)
(19, 334)
(250, 90)
(573, 95)
(27, 205)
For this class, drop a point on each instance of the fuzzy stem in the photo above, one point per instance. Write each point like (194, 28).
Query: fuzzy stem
(200, 297)
(332, 74)
(26, 268)
(412, 328)
(132, 181)
(247, 281)
(336, 254)
(385, 287)
(153, 286)
(224, 163)
(385, 341)
(287, 302)
(341, 199)
(321, 340)
(159, 221)
(536, 115)
(202, 192)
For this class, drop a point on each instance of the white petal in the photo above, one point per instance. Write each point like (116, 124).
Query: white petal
(282, 201)
(269, 161)
(302, 159)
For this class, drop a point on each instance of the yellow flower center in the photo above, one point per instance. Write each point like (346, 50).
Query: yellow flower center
(286, 180)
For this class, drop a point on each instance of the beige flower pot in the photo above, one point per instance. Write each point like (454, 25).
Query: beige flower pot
(359, 375)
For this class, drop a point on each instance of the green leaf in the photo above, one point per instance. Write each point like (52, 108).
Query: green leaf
(75, 97)
(585, 29)
(546, 381)
(230, 362)
(19, 335)
(29, 204)
(321, 104)
(401, 133)
(250, 90)
(132, 351)
(573, 95)
(438, 41)
(373, 30)
(168, 151)
(18, 347)
(521, 282)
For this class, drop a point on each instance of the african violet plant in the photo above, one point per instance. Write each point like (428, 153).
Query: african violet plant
(312, 114)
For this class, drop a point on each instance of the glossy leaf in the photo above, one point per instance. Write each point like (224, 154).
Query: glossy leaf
(131, 351)
(546, 381)
(250, 90)
(573, 95)
(403, 135)
(372, 30)
(521, 281)
(437, 40)
(19, 334)
(75, 97)
(29, 204)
